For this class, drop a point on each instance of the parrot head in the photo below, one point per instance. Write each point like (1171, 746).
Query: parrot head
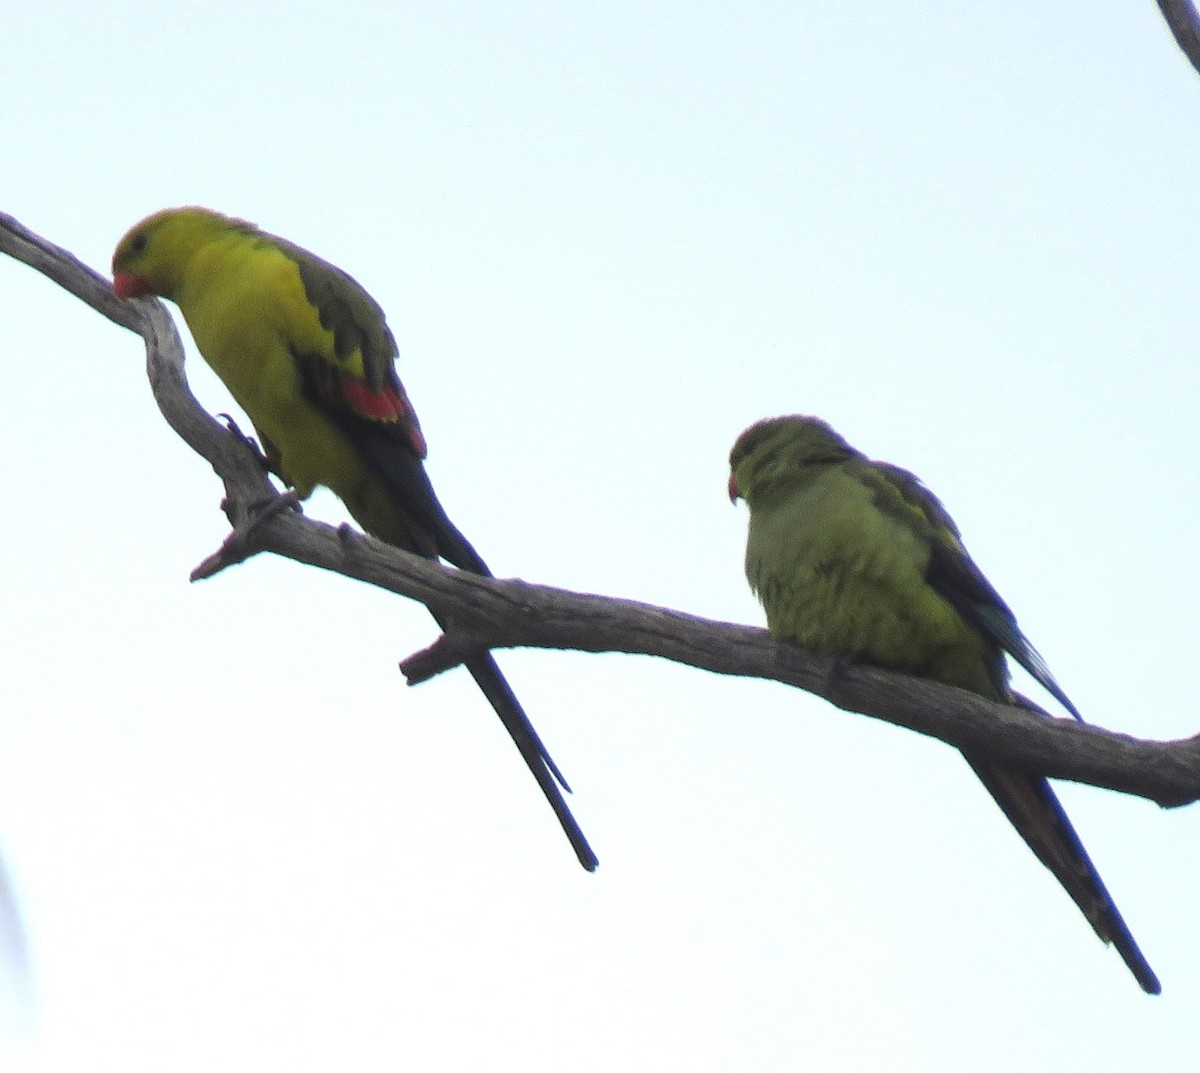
(151, 258)
(772, 450)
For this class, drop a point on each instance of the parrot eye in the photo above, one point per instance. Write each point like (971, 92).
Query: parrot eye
(138, 243)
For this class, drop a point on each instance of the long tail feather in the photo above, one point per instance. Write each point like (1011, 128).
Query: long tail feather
(498, 692)
(1035, 811)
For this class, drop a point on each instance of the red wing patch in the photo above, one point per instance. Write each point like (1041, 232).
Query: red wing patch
(389, 407)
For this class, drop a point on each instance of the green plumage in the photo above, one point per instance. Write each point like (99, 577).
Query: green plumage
(857, 559)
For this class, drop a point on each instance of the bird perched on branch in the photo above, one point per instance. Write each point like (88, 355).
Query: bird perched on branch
(307, 353)
(857, 559)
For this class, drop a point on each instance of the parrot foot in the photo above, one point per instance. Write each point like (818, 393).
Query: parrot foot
(839, 676)
(268, 463)
(241, 543)
(231, 426)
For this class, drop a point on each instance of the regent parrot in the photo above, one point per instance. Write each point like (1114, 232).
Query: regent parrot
(308, 355)
(857, 559)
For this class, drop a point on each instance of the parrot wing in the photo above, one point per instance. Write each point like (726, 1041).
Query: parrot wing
(953, 573)
(1027, 799)
(357, 388)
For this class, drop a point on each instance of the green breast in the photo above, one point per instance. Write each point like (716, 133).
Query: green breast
(838, 576)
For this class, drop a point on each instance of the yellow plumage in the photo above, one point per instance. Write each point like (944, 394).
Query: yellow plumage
(249, 313)
(307, 353)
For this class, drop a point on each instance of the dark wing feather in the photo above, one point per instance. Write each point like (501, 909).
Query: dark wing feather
(380, 422)
(1027, 799)
(953, 573)
(393, 461)
(376, 416)
(359, 327)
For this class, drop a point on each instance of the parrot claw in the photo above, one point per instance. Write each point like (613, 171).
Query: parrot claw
(839, 674)
(231, 426)
(265, 459)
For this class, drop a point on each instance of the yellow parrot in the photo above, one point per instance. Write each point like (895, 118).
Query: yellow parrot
(308, 355)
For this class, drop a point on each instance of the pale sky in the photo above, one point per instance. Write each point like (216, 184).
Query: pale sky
(608, 238)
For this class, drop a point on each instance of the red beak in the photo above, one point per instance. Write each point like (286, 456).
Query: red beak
(734, 492)
(127, 285)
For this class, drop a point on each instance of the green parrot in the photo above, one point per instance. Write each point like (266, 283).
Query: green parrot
(307, 353)
(857, 559)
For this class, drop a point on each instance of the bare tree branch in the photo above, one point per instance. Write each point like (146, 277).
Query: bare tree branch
(495, 613)
(1185, 25)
